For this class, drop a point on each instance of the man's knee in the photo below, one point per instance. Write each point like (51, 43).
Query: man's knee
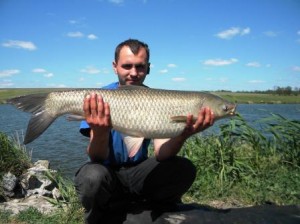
(90, 178)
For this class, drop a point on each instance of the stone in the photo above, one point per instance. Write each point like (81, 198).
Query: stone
(9, 181)
(35, 201)
(32, 188)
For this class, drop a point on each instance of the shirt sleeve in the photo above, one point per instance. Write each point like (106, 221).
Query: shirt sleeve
(84, 129)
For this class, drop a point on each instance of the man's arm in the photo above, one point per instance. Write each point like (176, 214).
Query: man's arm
(166, 148)
(97, 115)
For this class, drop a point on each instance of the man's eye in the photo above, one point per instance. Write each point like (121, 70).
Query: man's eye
(127, 66)
(137, 66)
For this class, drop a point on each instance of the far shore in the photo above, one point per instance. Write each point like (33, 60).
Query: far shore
(236, 97)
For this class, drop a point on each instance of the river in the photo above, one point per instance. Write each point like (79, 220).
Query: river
(64, 146)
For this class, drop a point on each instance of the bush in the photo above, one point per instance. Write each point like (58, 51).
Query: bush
(13, 157)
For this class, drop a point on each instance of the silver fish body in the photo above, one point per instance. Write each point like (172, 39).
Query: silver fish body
(135, 111)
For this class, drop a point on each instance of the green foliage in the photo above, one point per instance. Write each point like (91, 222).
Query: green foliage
(241, 163)
(255, 166)
(68, 200)
(13, 157)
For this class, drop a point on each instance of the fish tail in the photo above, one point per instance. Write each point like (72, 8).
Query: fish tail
(40, 119)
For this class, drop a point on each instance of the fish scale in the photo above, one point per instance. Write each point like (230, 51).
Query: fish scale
(135, 111)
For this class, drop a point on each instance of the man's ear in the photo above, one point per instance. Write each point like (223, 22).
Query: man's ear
(114, 65)
(148, 69)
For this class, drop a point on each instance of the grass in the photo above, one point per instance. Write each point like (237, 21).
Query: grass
(249, 165)
(240, 165)
(249, 98)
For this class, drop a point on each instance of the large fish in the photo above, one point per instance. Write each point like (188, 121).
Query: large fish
(136, 111)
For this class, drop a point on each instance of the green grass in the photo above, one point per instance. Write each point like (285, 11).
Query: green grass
(240, 164)
(243, 164)
(249, 98)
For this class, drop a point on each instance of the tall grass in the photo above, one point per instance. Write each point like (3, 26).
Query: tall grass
(248, 164)
(240, 163)
(14, 157)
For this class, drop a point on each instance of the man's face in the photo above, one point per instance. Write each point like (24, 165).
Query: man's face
(131, 69)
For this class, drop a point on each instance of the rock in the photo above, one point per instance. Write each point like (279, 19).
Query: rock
(44, 163)
(9, 183)
(30, 190)
(35, 201)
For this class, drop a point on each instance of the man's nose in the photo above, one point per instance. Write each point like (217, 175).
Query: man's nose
(133, 71)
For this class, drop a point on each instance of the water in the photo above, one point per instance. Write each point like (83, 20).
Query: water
(65, 147)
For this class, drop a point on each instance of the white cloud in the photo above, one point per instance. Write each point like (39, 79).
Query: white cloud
(271, 34)
(39, 70)
(163, 71)
(6, 83)
(233, 31)
(79, 34)
(178, 79)
(75, 34)
(245, 31)
(92, 37)
(296, 68)
(253, 64)
(43, 71)
(220, 62)
(48, 75)
(9, 73)
(117, 2)
(223, 80)
(90, 70)
(26, 45)
(53, 85)
(172, 66)
(256, 81)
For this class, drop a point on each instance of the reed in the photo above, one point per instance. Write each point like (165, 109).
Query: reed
(241, 163)
(251, 165)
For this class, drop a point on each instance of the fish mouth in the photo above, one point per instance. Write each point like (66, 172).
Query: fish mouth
(232, 110)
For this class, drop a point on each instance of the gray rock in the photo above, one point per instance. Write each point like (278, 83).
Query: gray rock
(9, 181)
(34, 186)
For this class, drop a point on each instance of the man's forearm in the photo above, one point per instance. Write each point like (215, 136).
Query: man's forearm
(98, 148)
(166, 148)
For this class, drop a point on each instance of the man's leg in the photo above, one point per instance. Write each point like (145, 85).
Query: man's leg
(96, 185)
(162, 183)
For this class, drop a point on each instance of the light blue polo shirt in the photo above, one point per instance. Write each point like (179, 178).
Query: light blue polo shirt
(118, 154)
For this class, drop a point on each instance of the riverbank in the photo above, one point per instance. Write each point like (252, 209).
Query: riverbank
(239, 167)
(237, 97)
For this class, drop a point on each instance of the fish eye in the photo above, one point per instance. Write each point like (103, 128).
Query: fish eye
(225, 107)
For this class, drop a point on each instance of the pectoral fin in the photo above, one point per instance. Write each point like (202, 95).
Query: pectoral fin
(133, 144)
(73, 117)
(179, 118)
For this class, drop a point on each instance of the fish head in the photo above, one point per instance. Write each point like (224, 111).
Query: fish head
(221, 107)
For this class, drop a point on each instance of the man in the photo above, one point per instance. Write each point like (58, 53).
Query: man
(113, 177)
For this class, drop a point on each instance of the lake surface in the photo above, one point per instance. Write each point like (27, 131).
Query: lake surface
(65, 147)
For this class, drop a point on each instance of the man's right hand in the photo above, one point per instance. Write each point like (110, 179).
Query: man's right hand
(97, 115)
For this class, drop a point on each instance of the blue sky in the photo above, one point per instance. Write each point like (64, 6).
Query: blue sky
(195, 44)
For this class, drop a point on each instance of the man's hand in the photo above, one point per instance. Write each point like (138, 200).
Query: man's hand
(204, 120)
(97, 113)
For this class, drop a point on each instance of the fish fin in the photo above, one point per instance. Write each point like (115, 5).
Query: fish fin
(131, 87)
(73, 117)
(179, 118)
(133, 144)
(40, 119)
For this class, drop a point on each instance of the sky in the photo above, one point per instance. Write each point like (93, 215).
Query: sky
(202, 45)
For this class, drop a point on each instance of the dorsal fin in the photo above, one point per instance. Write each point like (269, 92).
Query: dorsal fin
(131, 87)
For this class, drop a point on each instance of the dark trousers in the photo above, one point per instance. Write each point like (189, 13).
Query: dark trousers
(101, 189)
